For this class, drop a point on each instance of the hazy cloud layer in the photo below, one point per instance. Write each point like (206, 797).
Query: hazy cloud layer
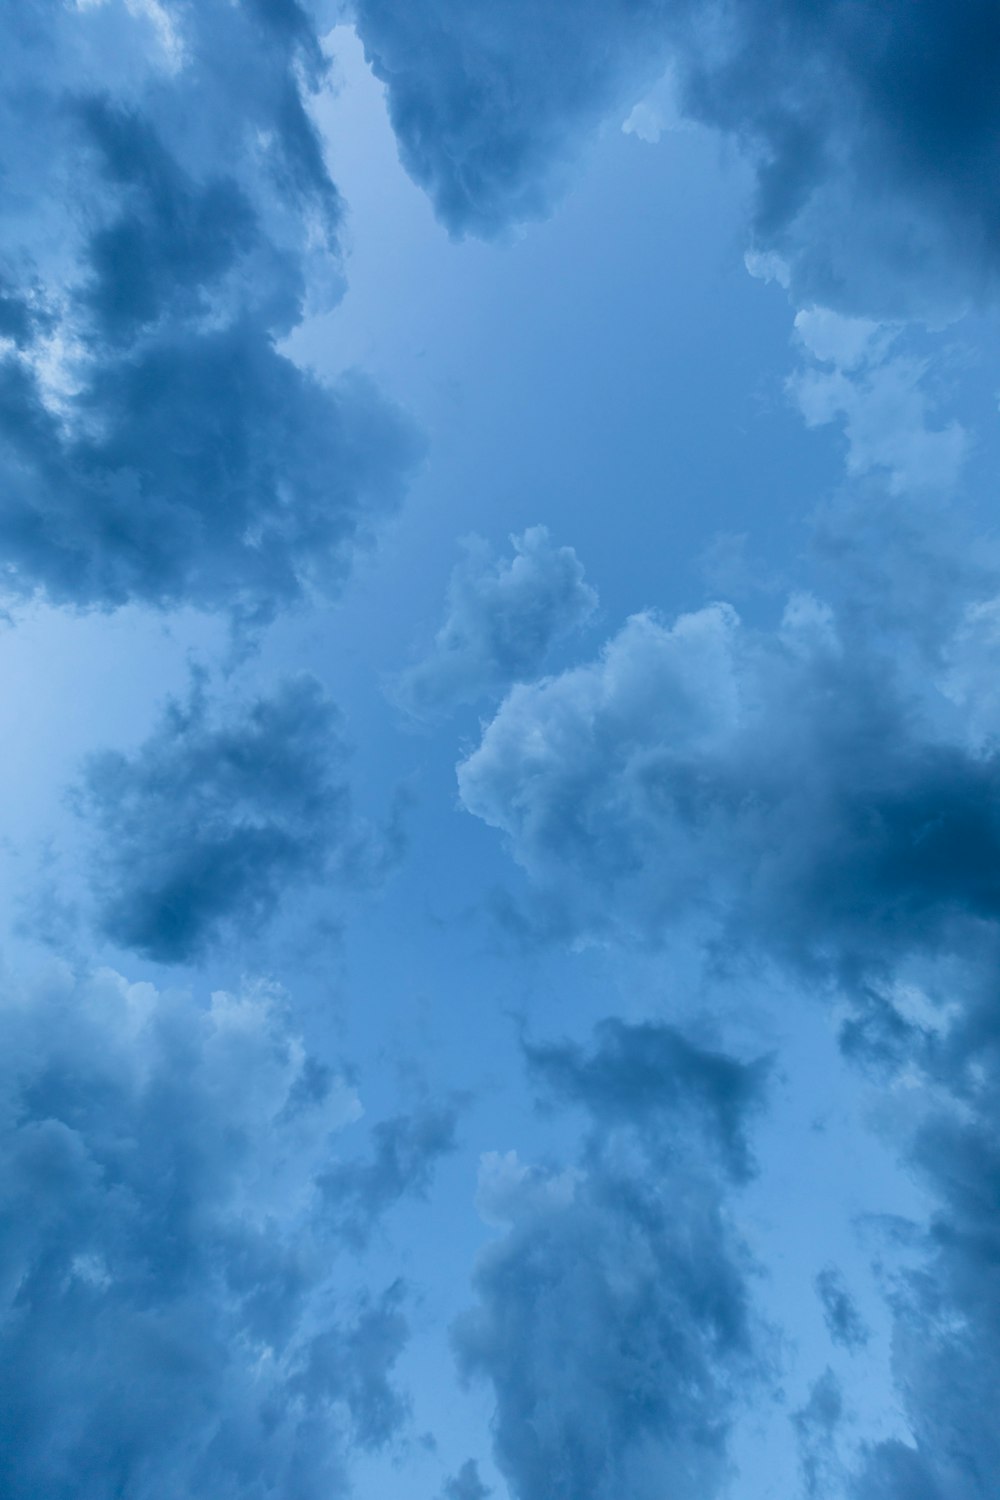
(873, 128)
(166, 207)
(171, 1319)
(503, 618)
(219, 813)
(613, 1318)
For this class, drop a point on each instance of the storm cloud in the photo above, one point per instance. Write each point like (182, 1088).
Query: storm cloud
(173, 1321)
(167, 213)
(872, 129)
(614, 1320)
(224, 808)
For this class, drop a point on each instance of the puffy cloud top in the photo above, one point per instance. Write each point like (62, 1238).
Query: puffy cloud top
(503, 618)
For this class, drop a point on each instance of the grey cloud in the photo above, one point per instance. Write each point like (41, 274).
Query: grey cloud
(168, 209)
(822, 796)
(466, 1484)
(503, 618)
(872, 128)
(171, 1315)
(843, 1320)
(643, 1074)
(613, 1318)
(488, 104)
(205, 827)
(815, 1428)
(781, 788)
(405, 1150)
(946, 1342)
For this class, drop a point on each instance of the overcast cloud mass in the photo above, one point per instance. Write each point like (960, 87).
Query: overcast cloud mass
(499, 647)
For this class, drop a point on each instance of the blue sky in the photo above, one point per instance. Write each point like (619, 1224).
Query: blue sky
(501, 847)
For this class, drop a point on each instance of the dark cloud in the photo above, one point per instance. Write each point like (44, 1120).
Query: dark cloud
(503, 619)
(203, 830)
(843, 1320)
(787, 789)
(873, 128)
(171, 1322)
(466, 1484)
(946, 1338)
(168, 209)
(815, 1427)
(643, 1073)
(613, 1318)
(822, 797)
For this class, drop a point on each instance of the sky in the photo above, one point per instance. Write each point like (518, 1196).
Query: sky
(498, 672)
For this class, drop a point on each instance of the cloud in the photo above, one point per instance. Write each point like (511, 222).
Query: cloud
(821, 796)
(167, 211)
(881, 396)
(466, 1484)
(174, 1321)
(783, 789)
(639, 1074)
(946, 1338)
(503, 619)
(489, 105)
(816, 1426)
(613, 1319)
(844, 1323)
(203, 830)
(872, 128)
(405, 1151)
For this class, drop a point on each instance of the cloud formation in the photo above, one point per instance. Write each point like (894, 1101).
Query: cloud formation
(823, 796)
(613, 1318)
(202, 830)
(503, 618)
(171, 1321)
(405, 1150)
(167, 207)
(782, 788)
(872, 127)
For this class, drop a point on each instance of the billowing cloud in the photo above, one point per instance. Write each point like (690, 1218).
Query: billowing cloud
(166, 208)
(174, 1319)
(613, 1319)
(203, 829)
(503, 618)
(781, 787)
(873, 128)
(823, 795)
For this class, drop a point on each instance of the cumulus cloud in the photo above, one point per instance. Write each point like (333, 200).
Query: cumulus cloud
(203, 829)
(167, 207)
(503, 618)
(171, 1322)
(613, 1319)
(823, 795)
(872, 127)
(781, 787)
